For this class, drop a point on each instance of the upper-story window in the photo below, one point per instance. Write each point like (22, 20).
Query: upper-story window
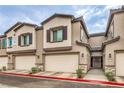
(4, 44)
(10, 42)
(57, 34)
(25, 39)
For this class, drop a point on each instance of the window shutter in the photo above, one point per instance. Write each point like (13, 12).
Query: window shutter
(0, 44)
(48, 36)
(4, 43)
(30, 38)
(65, 33)
(19, 40)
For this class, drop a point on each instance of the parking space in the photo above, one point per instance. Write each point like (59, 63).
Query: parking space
(57, 74)
(17, 71)
(46, 73)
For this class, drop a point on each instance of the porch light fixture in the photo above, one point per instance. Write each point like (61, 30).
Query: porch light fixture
(82, 54)
(110, 56)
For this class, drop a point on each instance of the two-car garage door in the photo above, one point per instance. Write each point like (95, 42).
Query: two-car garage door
(61, 62)
(24, 62)
(120, 64)
(3, 61)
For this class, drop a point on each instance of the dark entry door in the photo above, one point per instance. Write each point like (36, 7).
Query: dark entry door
(96, 62)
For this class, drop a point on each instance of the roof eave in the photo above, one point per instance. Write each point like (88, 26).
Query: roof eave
(110, 41)
(110, 19)
(56, 15)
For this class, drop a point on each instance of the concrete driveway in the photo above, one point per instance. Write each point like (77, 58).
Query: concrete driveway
(17, 71)
(46, 73)
(95, 74)
(57, 74)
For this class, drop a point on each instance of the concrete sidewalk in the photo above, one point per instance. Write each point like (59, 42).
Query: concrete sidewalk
(95, 74)
(120, 79)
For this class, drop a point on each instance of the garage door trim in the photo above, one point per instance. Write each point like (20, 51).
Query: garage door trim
(115, 55)
(62, 54)
(5, 61)
(25, 66)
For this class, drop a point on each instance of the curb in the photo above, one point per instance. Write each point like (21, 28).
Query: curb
(67, 79)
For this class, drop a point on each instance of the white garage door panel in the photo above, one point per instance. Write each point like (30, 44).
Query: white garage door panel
(120, 64)
(61, 63)
(3, 61)
(24, 62)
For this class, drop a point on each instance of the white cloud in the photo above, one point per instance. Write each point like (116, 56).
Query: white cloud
(85, 11)
(100, 14)
(36, 16)
(112, 7)
(98, 26)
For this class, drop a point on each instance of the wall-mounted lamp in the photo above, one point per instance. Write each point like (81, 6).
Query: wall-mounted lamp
(110, 55)
(82, 54)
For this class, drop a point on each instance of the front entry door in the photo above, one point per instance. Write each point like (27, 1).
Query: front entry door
(96, 62)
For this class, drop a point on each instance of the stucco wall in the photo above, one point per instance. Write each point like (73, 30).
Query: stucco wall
(15, 34)
(119, 45)
(2, 51)
(57, 21)
(39, 47)
(85, 60)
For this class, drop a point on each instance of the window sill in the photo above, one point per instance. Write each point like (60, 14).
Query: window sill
(25, 45)
(9, 47)
(56, 41)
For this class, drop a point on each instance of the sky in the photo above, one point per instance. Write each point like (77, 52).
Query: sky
(95, 16)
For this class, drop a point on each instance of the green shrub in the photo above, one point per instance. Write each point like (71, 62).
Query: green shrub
(4, 68)
(110, 76)
(79, 73)
(34, 69)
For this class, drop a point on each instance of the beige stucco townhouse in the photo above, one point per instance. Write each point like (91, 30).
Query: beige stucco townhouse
(62, 44)
(20, 47)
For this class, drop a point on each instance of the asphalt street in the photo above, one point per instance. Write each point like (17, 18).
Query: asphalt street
(25, 82)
